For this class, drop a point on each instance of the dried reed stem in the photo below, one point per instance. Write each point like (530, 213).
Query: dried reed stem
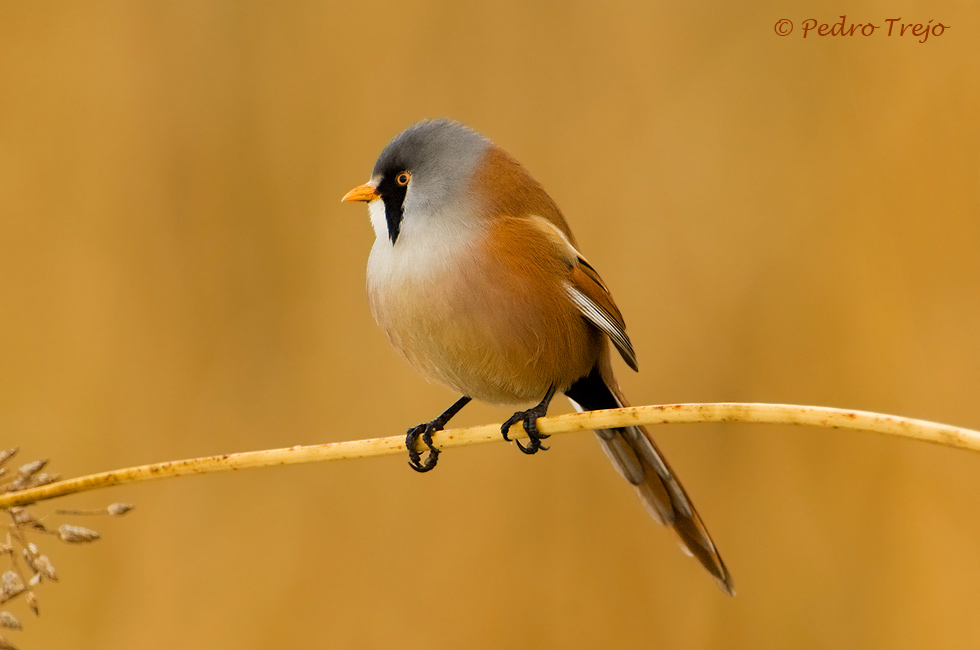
(667, 414)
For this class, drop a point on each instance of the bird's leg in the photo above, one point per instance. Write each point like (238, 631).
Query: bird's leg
(529, 419)
(425, 431)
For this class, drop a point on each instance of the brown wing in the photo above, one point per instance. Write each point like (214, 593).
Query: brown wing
(592, 298)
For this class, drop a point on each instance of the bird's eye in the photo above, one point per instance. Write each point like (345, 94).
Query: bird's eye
(403, 178)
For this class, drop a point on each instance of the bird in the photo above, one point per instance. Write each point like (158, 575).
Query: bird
(477, 281)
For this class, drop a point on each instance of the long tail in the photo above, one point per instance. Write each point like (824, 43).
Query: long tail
(633, 452)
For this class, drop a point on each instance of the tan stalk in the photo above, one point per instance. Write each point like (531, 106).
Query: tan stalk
(923, 430)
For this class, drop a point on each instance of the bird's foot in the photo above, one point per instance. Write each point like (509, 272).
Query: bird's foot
(423, 431)
(529, 419)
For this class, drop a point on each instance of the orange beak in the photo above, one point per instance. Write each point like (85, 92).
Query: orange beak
(362, 193)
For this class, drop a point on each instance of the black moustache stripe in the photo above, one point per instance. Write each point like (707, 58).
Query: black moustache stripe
(393, 196)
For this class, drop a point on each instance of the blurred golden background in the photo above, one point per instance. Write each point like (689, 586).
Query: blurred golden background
(780, 220)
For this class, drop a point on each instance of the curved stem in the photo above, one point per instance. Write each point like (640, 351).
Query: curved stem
(923, 430)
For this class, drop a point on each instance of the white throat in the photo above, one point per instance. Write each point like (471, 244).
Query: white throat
(426, 244)
(376, 209)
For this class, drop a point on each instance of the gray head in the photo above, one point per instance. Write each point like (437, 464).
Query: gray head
(427, 170)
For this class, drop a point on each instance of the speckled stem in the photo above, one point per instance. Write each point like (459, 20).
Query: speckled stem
(923, 430)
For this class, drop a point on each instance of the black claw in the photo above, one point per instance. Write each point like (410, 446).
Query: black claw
(425, 431)
(533, 446)
(529, 419)
(415, 461)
